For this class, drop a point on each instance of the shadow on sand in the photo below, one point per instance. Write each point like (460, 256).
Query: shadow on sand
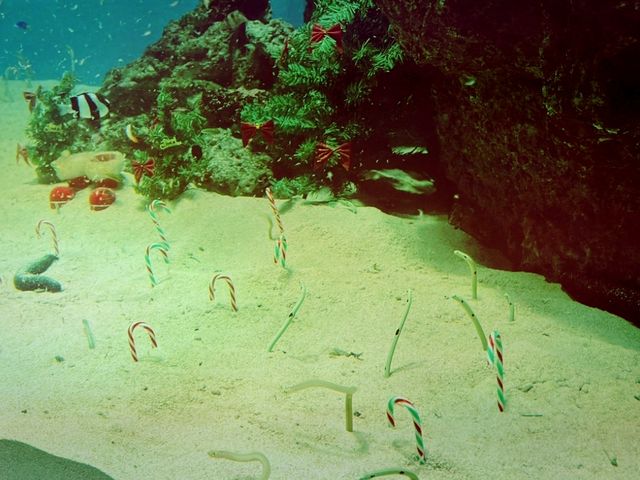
(19, 461)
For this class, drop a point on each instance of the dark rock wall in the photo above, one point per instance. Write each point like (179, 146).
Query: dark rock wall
(537, 114)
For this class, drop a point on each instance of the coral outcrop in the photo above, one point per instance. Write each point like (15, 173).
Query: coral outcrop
(193, 81)
(536, 110)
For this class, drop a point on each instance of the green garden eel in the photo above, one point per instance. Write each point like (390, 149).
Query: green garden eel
(245, 457)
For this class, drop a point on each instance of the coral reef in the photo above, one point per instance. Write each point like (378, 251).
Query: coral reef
(338, 85)
(190, 83)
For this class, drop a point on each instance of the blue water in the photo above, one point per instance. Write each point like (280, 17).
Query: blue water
(102, 33)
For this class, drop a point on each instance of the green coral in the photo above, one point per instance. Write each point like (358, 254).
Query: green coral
(50, 131)
(293, 187)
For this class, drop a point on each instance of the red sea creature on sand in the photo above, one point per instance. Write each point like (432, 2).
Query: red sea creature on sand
(141, 169)
(101, 198)
(21, 152)
(249, 130)
(318, 33)
(107, 182)
(79, 183)
(324, 152)
(60, 195)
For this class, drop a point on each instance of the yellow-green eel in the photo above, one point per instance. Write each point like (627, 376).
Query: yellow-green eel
(29, 278)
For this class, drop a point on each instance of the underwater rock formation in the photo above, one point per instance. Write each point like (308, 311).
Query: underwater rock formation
(229, 168)
(228, 46)
(537, 113)
(206, 66)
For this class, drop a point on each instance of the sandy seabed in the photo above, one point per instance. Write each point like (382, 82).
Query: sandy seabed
(572, 373)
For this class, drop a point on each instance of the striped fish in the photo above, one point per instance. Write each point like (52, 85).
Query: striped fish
(90, 106)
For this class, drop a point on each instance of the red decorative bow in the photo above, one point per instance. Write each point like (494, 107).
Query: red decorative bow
(140, 169)
(30, 97)
(22, 152)
(249, 130)
(325, 152)
(335, 32)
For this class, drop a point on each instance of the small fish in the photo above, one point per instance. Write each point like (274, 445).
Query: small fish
(284, 56)
(147, 33)
(30, 98)
(130, 135)
(22, 25)
(22, 153)
(87, 105)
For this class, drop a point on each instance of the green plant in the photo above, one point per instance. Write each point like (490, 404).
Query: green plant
(50, 132)
(293, 187)
(322, 93)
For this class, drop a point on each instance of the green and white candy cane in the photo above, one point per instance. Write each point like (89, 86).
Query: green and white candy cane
(152, 209)
(280, 251)
(417, 423)
(496, 358)
(162, 248)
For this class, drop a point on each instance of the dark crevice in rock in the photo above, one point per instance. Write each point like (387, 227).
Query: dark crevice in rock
(537, 114)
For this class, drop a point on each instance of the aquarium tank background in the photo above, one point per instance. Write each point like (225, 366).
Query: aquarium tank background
(319, 239)
(45, 38)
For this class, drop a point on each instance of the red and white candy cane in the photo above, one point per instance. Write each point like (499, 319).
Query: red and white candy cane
(232, 289)
(132, 341)
(417, 423)
(275, 211)
(56, 249)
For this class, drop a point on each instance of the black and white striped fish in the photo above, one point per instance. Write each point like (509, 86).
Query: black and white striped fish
(87, 105)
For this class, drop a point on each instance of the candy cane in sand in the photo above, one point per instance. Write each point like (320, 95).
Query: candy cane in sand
(163, 248)
(417, 424)
(132, 341)
(275, 211)
(151, 208)
(232, 289)
(53, 234)
(494, 355)
(280, 252)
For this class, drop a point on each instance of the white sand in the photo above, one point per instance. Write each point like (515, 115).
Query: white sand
(571, 371)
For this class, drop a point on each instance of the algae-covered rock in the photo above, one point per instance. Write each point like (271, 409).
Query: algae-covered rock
(227, 167)
(231, 48)
(536, 106)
